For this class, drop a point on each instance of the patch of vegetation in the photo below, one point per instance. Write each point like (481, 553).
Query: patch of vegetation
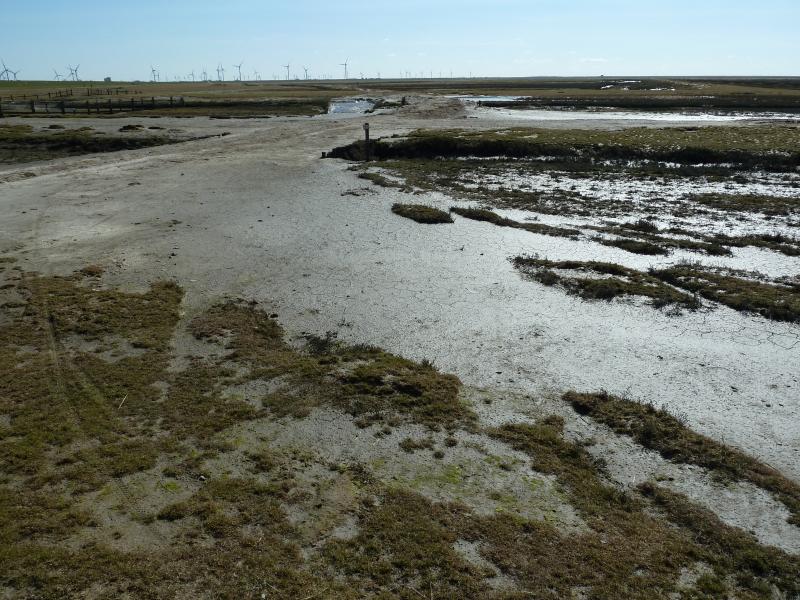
(755, 567)
(635, 246)
(772, 301)
(605, 281)
(788, 245)
(421, 213)
(405, 544)
(416, 391)
(768, 205)
(627, 551)
(80, 426)
(658, 430)
(642, 237)
(410, 445)
(680, 285)
(481, 214)
(87, 444)
(19, 143)
(381, 180)
(767, 147)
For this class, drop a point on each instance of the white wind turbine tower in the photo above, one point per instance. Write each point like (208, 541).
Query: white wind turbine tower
(5, 72)
(192, 76)
(58, 75)
(153, 73)
(256, 76)
(287, 70)
(306, 70)
(344, 64)
(239, 67)
(205, 74)
(220, 72)
(73, 72)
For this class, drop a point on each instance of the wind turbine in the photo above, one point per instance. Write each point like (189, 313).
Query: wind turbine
(15, 74)
(73, 72)
(239, 67)
(5, 72)
(306, 70)
(220, 72)
(344, 64)
(256, 76)
(192, 76)
(287, 70)
(153, 73)
(58, 75)
(205, 74)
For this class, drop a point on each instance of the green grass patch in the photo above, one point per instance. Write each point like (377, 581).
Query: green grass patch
(768, 205)
(658, 430)
(772, 301)
(481, 214)
(422, 214)
(603, 281)
(769, 147)
(20, 143)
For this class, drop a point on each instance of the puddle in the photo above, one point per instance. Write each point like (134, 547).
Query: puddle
(610, 114)
(350, 106)
(478, 99)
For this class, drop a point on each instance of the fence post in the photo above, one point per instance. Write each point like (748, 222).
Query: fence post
(33, 106)
(110, 107)
(62, 107)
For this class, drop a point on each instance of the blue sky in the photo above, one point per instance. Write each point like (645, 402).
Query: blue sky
(485, 38)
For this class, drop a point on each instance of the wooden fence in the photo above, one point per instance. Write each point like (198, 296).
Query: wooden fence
(70, 105)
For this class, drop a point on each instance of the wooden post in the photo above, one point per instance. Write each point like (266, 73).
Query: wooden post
(33, 106)
(366, 141)
(62, 107)
(88, 108)
(110, 107)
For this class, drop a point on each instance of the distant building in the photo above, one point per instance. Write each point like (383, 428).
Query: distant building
(107, 79)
